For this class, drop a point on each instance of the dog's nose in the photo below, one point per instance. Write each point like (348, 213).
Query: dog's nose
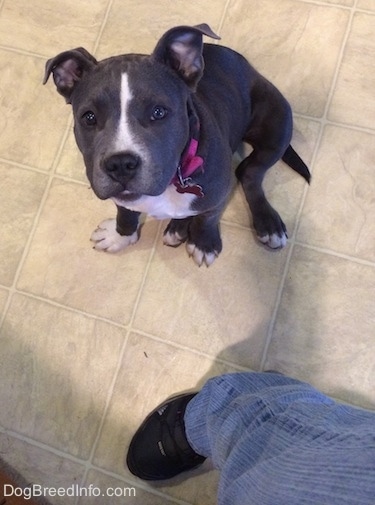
(121, 164)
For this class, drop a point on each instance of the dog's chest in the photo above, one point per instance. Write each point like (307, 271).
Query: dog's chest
(168, 205)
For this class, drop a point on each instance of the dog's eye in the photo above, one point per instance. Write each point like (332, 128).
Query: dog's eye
(158, 112)
(89, 118)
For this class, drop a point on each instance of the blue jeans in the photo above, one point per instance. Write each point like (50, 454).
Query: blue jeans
(278, 441)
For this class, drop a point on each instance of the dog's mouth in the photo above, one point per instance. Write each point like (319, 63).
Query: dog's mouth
(126, 196)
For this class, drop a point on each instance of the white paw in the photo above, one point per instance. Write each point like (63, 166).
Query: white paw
(201, 257)
(106, 238)
(172, 239)
(274, 241)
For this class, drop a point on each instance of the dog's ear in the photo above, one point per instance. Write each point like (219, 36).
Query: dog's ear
(181, 49)
(67, 69)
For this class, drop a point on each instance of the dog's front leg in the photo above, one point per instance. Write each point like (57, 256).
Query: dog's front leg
(113, 235)
(204, 241)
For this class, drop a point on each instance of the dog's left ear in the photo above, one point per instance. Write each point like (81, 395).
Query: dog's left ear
(181, 49)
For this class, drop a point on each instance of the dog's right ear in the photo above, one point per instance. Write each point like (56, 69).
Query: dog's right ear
(67, 69)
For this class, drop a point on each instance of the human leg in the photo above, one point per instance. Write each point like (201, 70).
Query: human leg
(279, 441)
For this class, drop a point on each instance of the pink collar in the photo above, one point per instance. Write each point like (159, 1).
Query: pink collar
(189, 164)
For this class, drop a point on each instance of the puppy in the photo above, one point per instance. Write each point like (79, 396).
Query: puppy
(157, 134)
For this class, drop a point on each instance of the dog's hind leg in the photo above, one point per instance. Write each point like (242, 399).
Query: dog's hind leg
(268, 225)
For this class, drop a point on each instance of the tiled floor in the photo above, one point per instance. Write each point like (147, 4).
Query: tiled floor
(90, 342)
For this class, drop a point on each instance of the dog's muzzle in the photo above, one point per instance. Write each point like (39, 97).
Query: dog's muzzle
(121, 167)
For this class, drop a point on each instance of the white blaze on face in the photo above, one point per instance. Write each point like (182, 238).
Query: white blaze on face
(125, 139)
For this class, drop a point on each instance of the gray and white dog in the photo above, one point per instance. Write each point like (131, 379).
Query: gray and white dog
(157, 134)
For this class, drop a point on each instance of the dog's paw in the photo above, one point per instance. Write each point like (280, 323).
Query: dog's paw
(172, 239)
(269, 227)
(176, 232)
(274, 240)
(200, 256)
(106, 238)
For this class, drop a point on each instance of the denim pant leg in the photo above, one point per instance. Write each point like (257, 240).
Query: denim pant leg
(278, 441)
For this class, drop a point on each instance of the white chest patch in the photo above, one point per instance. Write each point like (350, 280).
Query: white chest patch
(168, 205)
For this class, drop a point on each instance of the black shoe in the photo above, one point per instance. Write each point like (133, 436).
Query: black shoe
(159, 449)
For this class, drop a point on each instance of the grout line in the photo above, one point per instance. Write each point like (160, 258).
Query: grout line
(129, 326)
(41, 171)
(191, 349)
(323, 122)
(24, 52)
(102, 27)
(339, 60)
(145, 273)
(339, 6)
(139, 484)
(41, 445)
(280, 290)
(111, 389)
(276, 308)
(23, 166)
(328, 4)
(12, 288)
(74, 459)
(223, 16)
(50, 174)
(88, 463)
(338, 124)
(337, 254)
(74, 310)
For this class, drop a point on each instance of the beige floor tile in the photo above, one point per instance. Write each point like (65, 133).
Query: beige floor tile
(50, 26)
(3, 299)
(30, 133)
(366, 4)
(167, 371)
(223, 310)
(324, 331)
(352, 101)
(21, 194)
(290, 58)
(199, 488)
(122, 35)
(346, 3)
(63, 266)
(339, 211)
(237, 211)
(126, 492)
(71, 162)
(40, 467)
(57, 367)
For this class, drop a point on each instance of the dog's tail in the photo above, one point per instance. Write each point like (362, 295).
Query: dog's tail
(292, 159)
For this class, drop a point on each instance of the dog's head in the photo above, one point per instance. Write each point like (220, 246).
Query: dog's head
(131, 114)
